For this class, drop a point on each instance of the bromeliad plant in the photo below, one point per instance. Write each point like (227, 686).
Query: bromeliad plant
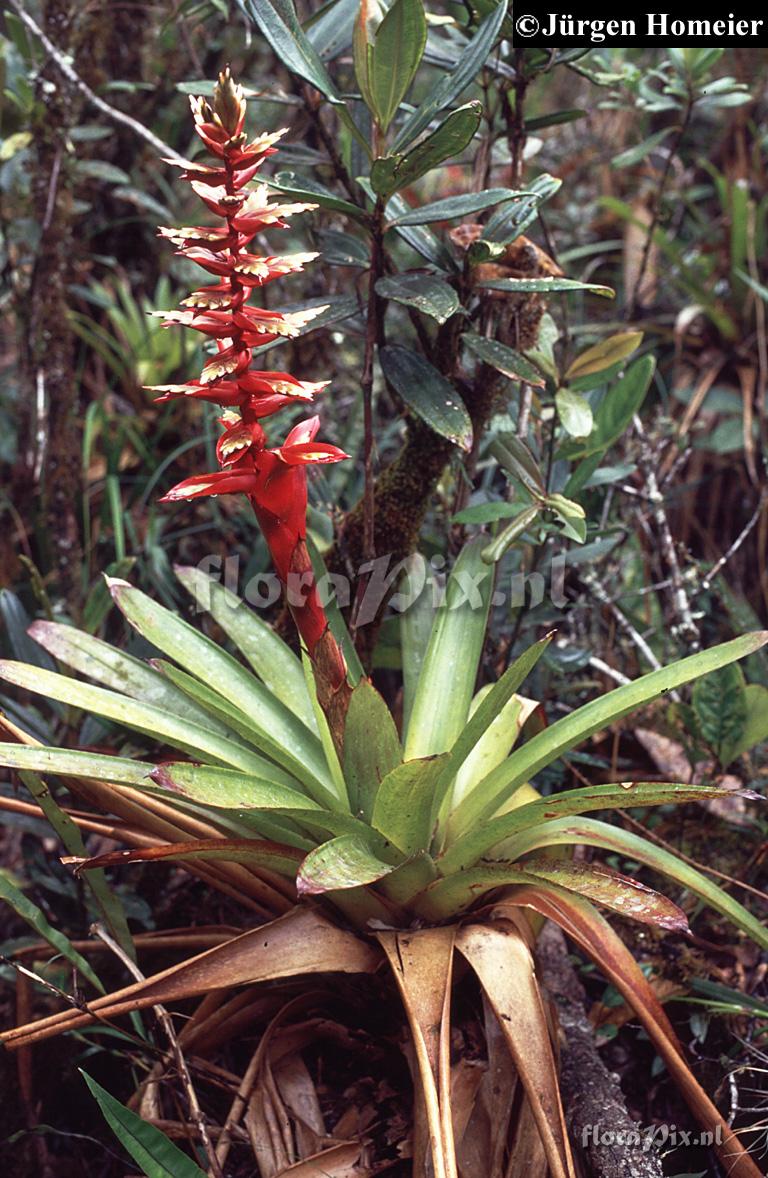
(296, 783)
(435, 831)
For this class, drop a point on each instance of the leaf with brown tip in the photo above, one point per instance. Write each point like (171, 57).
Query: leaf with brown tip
(254, 852)
(347, 861)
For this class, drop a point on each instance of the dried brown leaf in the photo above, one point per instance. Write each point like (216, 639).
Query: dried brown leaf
(584, 924)
(302, 942)
(503, 962)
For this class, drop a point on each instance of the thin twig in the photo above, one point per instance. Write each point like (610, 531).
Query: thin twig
(760, 324)
(524, 415)
(657, 204)
(195, 1112)
(76, 1004)
(622, 620)
(734, 548)
(339, 168)
(64, 67)
(686, 624)
(611, 672)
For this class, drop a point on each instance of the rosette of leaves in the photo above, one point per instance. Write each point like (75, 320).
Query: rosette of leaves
(409, 846)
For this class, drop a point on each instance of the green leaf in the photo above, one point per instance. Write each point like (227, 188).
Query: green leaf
(152, 721)
(600, 885)
(342, 249)
(106, 899)
(756, 286)
(427, 392)
(306, 189)
(344, 862)
(615, 412)
(554, 120)
(397, 50)
(489, 710)
(505, 831)
(503, 359)
(545, 286)
(25, 645)
(449, 670)
(279, 24)
(571, 515)
(605, 354)
(457, 206)
(634, 155)
(486, 513)
(100, 170)
(393, 172)
(513, 455)
(755, 730)
(271, 658)
(572, 730)
(575, 413)
(121, 672)
(493, 552)
(152, 1151)
(720, 705)
(330, 29)
(416, 622)
(30, 912)
(425, 292)
(418, 237)
(509, 222)
(221, 709)
(450, 87)
(73, 763)
(593, 833)
(371, 747)
(226, 788)
(406, 802)
(280, 733)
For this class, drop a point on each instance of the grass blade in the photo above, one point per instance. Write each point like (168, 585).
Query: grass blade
(155, 1153)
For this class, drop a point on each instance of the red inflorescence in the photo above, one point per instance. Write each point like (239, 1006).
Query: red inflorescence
(274, 479)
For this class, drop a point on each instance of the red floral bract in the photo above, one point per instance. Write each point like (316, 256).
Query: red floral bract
(273, 479)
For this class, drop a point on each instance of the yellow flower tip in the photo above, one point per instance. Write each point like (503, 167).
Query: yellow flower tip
(229, 103)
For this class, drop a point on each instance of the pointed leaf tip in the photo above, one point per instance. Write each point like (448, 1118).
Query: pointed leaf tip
(115, 585)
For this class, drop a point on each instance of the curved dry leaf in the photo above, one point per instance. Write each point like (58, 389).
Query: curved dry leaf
(256, 852)
(422, 963)
(503, 962)
(584, 924)
(301, 942)
(341, 1161)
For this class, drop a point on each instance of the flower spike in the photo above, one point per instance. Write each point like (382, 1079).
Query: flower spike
(273, 479)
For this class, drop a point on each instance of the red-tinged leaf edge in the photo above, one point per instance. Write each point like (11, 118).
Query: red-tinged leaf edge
(259, 852)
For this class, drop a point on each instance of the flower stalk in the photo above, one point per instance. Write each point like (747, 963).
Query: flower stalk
(273, 478)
